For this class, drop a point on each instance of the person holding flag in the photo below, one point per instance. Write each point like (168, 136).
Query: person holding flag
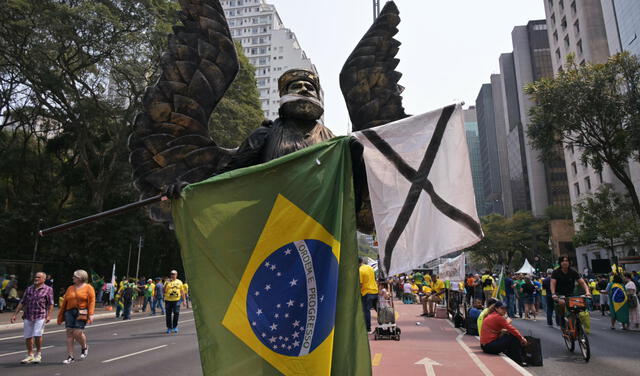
(618, 302)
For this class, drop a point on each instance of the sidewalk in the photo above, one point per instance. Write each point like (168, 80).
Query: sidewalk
(434, 347)
(100, 312)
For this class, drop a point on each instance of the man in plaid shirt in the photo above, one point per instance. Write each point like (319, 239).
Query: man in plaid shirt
(37, 304)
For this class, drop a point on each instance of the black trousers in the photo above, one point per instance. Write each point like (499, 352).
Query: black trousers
(172, 308)
(507, 344)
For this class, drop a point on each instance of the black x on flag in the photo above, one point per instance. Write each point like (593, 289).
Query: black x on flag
(421, 189)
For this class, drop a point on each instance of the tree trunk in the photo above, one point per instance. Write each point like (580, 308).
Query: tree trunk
(624, 178)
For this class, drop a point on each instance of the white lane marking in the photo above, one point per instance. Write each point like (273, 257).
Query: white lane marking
(428, 366)
(509, 361)
(473, 356)
(515, 365)
(23, 351)
(96, 325)
(132, 354)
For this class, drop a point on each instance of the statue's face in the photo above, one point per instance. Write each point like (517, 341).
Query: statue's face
(303, 88)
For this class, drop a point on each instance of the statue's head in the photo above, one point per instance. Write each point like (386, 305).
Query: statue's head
(300, 95)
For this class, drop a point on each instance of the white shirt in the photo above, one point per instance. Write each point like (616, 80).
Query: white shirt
(407, 288)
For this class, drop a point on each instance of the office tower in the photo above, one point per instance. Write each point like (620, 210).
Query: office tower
(473, 143)
(271, 48)
(493, 148)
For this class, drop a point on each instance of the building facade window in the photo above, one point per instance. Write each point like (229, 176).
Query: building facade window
(576, 27)
(587, 183)
(574, 168)
(563, 23)
(573, 7)
(576, 187)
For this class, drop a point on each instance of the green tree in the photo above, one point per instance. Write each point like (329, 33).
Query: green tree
(508, 241)
(593, 107)
(605, 219)
(238, 112)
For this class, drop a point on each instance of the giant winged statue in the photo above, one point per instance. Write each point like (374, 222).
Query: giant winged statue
(171, 145)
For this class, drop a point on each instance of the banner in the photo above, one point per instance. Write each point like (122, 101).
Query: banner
(271, 256)
(419, 179)
(453, 269)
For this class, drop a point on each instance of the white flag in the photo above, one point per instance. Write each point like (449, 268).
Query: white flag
(421, 190)
(113, 275)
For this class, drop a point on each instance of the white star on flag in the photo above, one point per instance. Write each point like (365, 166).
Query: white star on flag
(290, 303)
(287, 251)
(272, 339)
(273, 267)
(267, 287)
(259, 312)
(296, 323)
(293, 282)
(273, 326)
(296, 344)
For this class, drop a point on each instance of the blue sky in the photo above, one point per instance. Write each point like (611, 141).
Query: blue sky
(449, 47)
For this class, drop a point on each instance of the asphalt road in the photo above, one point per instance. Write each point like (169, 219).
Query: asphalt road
(612, 352)
(135, 347)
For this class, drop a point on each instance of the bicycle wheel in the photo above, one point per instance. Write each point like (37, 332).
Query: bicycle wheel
(569, 339)
(583, 342)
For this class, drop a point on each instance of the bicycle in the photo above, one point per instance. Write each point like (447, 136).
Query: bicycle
(573, 330)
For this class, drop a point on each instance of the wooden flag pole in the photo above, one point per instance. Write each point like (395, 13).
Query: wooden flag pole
(104, 214)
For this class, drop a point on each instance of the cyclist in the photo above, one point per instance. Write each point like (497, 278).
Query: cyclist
(563, 281)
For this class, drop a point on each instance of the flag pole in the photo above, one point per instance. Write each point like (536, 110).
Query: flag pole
(104, 214)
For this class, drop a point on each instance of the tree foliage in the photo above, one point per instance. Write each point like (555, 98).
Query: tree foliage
(605, 219)
(238, 112)
(593, 107)
(508, 241)
(72, 74)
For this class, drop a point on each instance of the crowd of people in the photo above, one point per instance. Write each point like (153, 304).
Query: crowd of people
(494, 301)
(77, 305)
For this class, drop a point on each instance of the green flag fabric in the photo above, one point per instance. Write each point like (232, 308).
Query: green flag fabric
(500, 293)
(270, 252)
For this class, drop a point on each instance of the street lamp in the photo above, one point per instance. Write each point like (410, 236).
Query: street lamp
(35, 246)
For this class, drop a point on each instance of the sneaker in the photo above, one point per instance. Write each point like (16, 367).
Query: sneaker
(175, 330)
(168, 331)
(84, 353)
(27, 360)
(69, 360)
(371, 331)
(37, 359)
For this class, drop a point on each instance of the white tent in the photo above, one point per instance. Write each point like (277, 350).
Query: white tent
(526, 268)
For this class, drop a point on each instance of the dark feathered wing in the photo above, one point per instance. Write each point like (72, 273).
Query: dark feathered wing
(368, 79)
(171, 141)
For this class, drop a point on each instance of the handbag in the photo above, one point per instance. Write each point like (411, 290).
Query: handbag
(83, 314)
(533, 351)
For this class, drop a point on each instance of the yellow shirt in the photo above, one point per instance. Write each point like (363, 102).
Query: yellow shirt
(368, 283)
(594, 290)
(490, 287)
(426, 289)
(186, 288)
(427, 278)
(414, 288)
(173, 290)
(460, 286)
(438, 286)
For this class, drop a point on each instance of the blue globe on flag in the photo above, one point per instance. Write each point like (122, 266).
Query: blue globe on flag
(291, 301)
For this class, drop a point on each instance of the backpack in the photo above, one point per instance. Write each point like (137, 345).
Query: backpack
(633, 301)
(488, 282)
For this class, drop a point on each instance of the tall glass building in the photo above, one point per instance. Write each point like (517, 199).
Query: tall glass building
(473, 142)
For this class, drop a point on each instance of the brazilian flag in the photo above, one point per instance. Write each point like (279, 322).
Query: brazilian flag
(618, 303)
(271, 256)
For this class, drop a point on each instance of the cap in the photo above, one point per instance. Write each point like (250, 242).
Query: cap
(498, 304)
(293, 75)
(149, 280)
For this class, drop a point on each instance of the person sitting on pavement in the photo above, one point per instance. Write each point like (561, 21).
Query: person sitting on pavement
(499, 336)
(426, 293)
(485, 312)
(474, 312)
(435, 297)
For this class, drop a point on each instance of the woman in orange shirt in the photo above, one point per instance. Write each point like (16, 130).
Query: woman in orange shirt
(76, 311)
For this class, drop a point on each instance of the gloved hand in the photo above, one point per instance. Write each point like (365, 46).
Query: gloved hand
(173, 191)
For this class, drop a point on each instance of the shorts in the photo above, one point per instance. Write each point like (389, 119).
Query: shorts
(528, 299)
(33, 328)
(70, 321)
